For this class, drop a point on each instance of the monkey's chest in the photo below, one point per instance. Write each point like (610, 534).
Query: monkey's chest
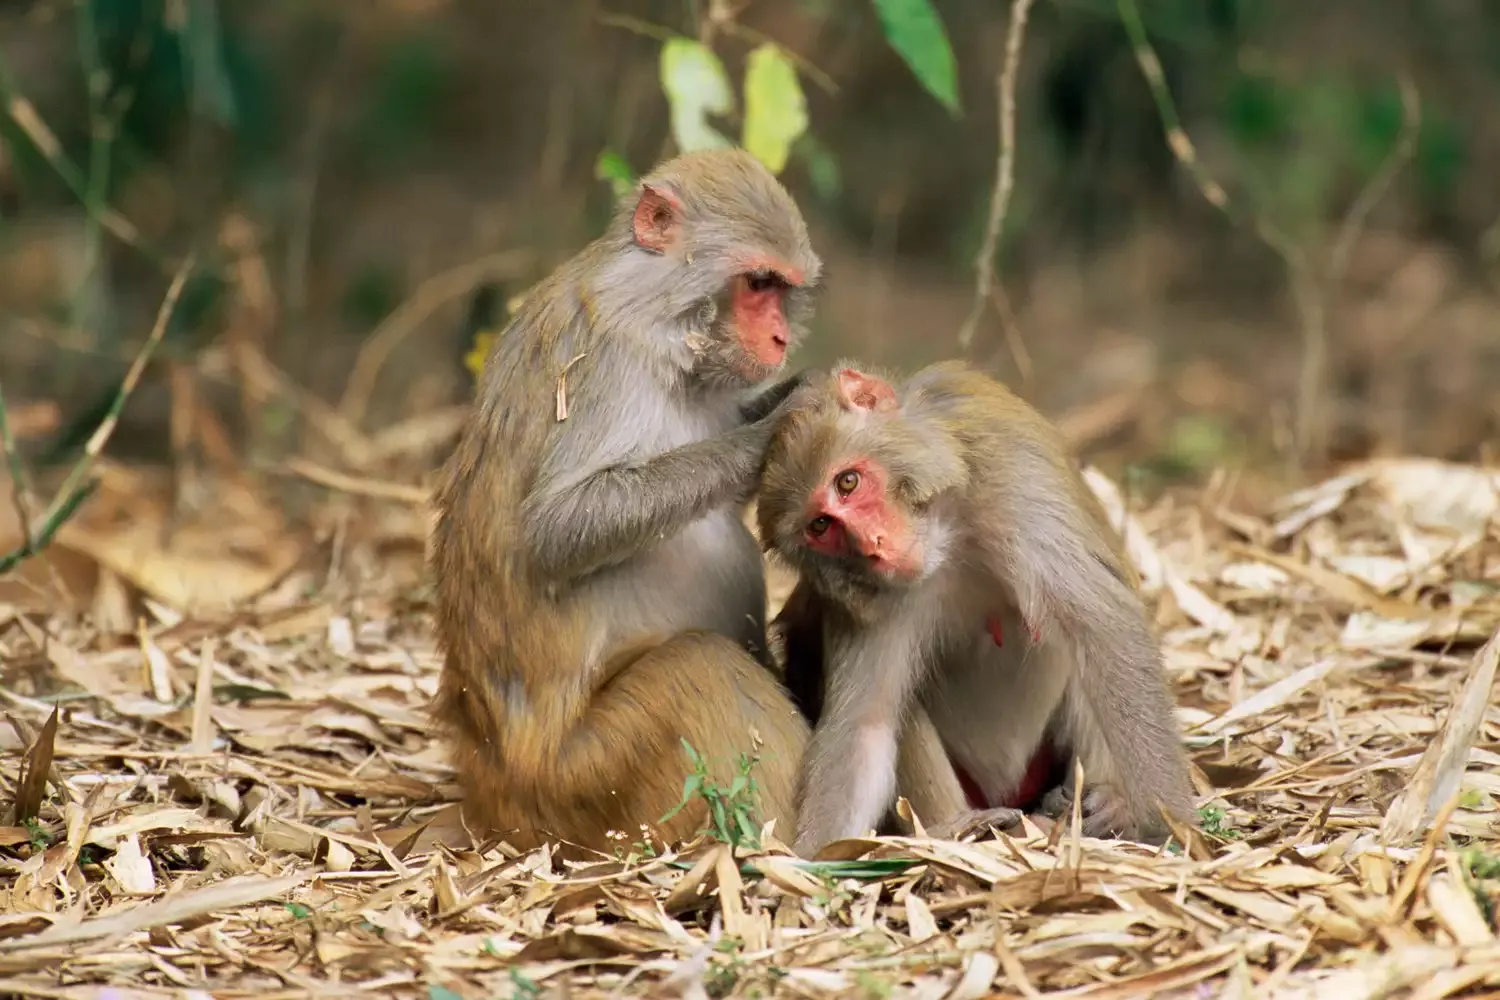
(707, 575)
(991, 698)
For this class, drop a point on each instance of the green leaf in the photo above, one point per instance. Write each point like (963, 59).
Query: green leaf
(696, 86)
(916, 33)
(441, 993)
(612, 167)
(775, 108)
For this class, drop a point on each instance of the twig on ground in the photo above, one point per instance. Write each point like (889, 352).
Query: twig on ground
(1005, 170)
(364, 486)
(433, 293)
(77, 487)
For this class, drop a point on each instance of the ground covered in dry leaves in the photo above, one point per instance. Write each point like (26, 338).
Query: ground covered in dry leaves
(250, 803)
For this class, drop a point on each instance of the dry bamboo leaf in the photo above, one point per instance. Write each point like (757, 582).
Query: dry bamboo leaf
(1454, 906)
(1440, 772)
(131, 868)
(979, 973)
(36, 765)
(203, 700)
(919, 922)
(229, 894)
(1273, 696)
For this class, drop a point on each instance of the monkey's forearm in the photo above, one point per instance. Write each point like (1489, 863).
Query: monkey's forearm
(623, 510)
(761, 406)
(849, 776)
(848, 783)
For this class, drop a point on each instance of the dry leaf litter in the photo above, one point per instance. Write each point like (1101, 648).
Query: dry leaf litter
(249, 802)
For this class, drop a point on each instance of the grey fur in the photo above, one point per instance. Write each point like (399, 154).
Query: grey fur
(1007, 527)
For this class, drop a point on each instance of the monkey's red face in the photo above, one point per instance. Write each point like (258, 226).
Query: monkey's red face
(758, 313)
(758, 302)
(852, 517)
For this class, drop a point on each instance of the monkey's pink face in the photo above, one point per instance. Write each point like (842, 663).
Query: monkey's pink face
(757, 302)
(851, 516)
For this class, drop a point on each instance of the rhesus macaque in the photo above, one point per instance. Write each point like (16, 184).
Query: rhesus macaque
(957, 574)
(599, 598)
(942, 794)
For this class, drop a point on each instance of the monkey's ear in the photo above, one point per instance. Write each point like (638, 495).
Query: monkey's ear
(858, 391)
(657, 220)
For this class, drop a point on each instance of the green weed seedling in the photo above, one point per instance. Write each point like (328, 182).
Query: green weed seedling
(731, 811)
(1215, 823)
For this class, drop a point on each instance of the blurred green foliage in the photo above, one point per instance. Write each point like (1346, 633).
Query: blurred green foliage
(879, 113)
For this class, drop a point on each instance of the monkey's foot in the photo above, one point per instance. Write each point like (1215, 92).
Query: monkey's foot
(974, 821)
(1105, 812)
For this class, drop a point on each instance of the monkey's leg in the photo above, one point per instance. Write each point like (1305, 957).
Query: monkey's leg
(624, 765)
(1117, 799)
(926, 777)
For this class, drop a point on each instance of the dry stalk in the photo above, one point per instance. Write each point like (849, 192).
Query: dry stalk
(1005, 170)
(432, 294)
(76, 487)
(1309, 293)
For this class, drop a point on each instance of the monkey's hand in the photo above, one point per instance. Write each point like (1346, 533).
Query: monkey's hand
(769, 402)
(1106, 814)
(974, 821)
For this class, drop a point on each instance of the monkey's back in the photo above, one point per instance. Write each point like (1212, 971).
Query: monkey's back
(1009, 442)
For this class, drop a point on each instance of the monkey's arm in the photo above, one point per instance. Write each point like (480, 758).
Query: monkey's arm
(584, 523)
(799, 627)
(759, 407)
(849, 774)
(1123, 716)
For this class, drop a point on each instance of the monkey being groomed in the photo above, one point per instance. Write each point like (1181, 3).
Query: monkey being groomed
(598, 597)
(963, 607)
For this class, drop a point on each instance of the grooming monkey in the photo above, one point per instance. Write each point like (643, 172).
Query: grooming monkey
(969, 600)
(598, 596)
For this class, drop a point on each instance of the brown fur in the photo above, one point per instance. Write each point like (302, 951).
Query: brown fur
(598, 598)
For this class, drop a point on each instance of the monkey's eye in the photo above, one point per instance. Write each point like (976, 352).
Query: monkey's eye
(819, 525)
(762, 281)
(847, 482)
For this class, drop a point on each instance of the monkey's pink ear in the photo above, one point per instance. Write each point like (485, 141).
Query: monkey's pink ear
(658, 216)
(858, 391)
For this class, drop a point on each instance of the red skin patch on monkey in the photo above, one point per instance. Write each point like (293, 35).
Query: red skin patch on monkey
(1038, 772)
(760, 320)
(1028, 793)
(992, 626)
(863, 523)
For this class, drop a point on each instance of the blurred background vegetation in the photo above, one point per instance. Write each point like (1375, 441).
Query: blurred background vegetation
(367, 183)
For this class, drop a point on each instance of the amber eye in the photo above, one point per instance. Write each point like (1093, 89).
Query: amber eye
(847, 482)
(761, 281)
(819, 525)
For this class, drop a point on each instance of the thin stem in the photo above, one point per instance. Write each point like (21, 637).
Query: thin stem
(1005, 170)
(77, 487)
